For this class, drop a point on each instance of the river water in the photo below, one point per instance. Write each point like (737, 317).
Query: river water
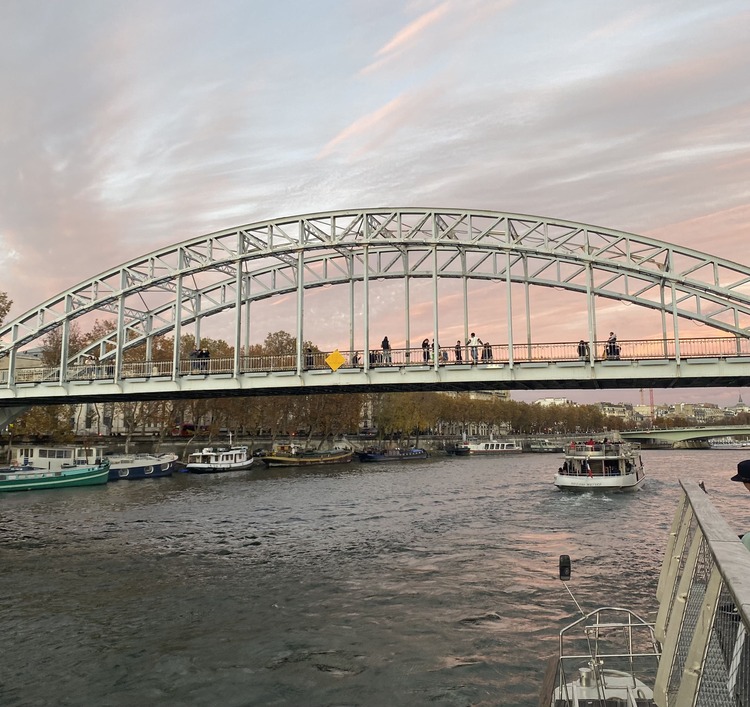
(426, 583)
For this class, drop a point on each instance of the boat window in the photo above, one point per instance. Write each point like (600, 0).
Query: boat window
(148, 470)
(52, 453)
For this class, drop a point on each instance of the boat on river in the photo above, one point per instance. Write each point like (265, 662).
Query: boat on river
(601, 466)
(392, 454)
(121, 466)
(458, 449)
(608, 656)
(215, 460)
(696, 650)
(729, 443)
(30, 478)
(57, 457)
(545, 446)
(295, 455)
(493, 447)
(141, 466)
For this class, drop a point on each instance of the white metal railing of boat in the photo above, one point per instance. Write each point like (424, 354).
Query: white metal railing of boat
(704, 609)
(615, 637)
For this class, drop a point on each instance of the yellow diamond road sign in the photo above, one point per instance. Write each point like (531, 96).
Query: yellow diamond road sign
(335, 360)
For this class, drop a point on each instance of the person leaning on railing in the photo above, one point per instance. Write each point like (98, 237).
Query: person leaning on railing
(743, 476)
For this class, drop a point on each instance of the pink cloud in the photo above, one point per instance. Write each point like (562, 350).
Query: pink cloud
(364, 125)
(408, 35)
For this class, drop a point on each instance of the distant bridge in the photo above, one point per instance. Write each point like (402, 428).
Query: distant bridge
(222, 276)
(683, 434)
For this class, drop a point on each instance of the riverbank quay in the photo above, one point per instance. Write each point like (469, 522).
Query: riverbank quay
(185, 445)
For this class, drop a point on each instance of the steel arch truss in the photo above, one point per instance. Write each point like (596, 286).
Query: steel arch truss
(160, 292)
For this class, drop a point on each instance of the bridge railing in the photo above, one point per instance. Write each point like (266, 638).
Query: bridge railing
(486, 355)
(703, 621)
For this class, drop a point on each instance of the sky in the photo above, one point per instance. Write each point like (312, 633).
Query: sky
(127, 127)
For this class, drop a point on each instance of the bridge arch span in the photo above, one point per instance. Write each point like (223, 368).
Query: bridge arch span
(183, 284)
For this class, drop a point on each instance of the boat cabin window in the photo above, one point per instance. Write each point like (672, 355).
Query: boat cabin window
(55, 453)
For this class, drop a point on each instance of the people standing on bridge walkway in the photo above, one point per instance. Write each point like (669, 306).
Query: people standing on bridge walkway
(442, 356)
(386, 346)
(425, 350)
(459, 357)
(474, 343)
(612, 350)
(583, 350)
(194, 360)
(309, 360)
(487, 352)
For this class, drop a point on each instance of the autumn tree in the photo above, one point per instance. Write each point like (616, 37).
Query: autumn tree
(51, 422)
(333, 415)
(5, 305)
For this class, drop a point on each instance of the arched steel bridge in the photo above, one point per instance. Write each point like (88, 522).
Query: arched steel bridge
(172, 291)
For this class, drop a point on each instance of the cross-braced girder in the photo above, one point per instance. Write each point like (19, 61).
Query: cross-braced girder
(160, 292)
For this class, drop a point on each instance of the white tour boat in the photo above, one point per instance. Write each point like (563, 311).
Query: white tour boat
(729, 443)
(212, 460)
(493, 446)
(602, 466)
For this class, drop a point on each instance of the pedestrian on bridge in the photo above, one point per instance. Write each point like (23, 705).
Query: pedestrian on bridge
(583, 350)
(459, 358)
(612, 350)
(474, 343)
(386, 346)
(426, 350)
(442, 356)
(205, 358)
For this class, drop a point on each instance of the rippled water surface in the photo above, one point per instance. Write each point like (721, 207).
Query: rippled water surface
(426, 583)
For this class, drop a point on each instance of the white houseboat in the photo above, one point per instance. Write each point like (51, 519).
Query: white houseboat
(213, 460)
(121, 466)
(493, 446)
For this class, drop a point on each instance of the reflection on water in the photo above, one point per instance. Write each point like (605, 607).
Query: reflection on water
(407, 584)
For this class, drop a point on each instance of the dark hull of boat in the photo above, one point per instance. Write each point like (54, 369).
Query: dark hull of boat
(405, 456)
(279, 460)
(141, 471)
(459, 452)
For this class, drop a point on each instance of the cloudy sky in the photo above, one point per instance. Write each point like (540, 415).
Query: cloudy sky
(130, 126)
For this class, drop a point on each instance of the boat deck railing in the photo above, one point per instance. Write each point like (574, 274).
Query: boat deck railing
(608, 641)
(591, 473)
(704, 609)
(601, 449)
